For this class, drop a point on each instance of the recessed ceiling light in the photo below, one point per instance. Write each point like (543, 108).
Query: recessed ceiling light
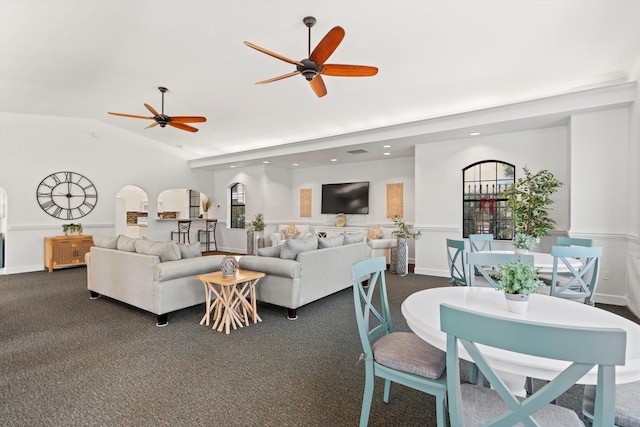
(386, 146)
(474, 134)
(387, 154)
(232, 166)
(294, 164)
(334, 160)
(265, 162)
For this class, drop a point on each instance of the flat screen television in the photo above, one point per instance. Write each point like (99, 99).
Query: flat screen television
(346, 198)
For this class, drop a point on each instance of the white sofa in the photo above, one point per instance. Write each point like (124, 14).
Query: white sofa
(285, 231)
(158, 278)
(381, 242)
(312, 275)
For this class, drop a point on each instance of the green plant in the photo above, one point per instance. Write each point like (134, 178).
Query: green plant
(72, 228)
(517, 277)
(523, 241)
(402, 231)
(530, 198)
(258, 223)
(206, 203)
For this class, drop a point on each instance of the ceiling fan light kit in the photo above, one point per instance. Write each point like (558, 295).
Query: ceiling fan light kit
(178, 122)
(313, 67)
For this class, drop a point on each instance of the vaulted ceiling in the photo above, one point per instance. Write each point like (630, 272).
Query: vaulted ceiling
(79, 58)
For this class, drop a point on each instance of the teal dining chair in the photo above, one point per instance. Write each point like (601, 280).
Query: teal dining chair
(400, 357)
(472, 405)
(573, 241)
(480, 242)
(577, 284)
(456, 260)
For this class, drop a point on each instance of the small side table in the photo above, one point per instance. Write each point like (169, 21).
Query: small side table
(230, 307)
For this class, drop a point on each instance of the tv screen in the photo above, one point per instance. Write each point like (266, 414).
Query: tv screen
(346, 198)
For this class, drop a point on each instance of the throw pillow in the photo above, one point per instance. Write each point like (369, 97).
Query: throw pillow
(167, 251)
(330, 242)
(290, 231)
(353, 238)
(108, 242)
(126, 243)
(270, 251)
(375, 233)
(292, 247)
(189, 251)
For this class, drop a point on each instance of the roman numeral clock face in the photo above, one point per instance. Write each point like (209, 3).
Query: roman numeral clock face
(67, 195)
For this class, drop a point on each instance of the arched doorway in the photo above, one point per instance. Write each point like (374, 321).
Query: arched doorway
(132, 210)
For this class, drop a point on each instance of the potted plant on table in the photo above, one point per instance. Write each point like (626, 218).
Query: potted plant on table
(529, 198)
(518, 280)
(402, 233)
(72, 229)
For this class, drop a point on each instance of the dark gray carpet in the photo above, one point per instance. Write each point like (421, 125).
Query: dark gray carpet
(66, 360)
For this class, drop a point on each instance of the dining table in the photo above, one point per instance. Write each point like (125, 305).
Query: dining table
(422, 313)
(544, 261)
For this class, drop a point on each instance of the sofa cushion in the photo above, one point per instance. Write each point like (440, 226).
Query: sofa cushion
(271, 251)
(189, 251)
(107, 242)
(353, 238)
(329, 242)
(292, 247)
(290, 231)
(375, 233)
(190, 267)
(167, 251)
(126, 243)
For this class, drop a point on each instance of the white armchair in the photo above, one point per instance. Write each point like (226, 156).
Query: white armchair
(381, 241)
(290, 231)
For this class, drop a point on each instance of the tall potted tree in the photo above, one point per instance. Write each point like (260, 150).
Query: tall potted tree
(530, 200)
(402, 233)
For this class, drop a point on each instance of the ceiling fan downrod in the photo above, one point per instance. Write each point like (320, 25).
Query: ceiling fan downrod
(309, 21)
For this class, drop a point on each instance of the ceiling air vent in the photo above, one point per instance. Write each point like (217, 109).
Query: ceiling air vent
(360, 151)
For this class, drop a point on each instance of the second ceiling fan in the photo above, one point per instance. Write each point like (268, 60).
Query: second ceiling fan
(313, 67)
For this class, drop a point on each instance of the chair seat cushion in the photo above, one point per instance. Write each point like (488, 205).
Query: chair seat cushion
(482, 404)
(627, 407)
(405, 351)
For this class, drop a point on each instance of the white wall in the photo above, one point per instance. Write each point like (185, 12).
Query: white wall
(32, 147)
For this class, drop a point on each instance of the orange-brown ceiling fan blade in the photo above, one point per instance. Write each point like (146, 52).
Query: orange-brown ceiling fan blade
(317, 84)
(275, 55)
(152, 125)
(327, 45)
(183, 126)
(284, 76)
(188, 119)
(341, 70)
(150, 108)
(130, 115)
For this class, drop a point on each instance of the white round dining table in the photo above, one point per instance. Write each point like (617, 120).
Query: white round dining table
(422, 313)
(544, 261)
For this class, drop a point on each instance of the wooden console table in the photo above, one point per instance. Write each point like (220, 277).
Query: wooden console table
(66, 251)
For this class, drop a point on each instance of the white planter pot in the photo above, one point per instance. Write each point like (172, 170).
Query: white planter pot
(402, 262)
(517, 303)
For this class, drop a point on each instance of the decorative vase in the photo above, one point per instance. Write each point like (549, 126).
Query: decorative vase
(402, 263)
(251, 248)
(517, 303)
(393, 260)
(229, 266)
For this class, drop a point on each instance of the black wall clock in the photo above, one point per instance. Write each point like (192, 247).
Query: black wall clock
(67, 195)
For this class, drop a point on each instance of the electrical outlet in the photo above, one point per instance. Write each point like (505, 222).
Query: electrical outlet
(605, 275)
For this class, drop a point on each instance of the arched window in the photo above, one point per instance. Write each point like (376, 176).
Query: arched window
(485, 209)
(237, 205)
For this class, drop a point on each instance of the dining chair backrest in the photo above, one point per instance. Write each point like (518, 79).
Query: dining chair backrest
(468, 329)
(456, 259)
(479, 261)
(184, 226)
(573, 241)
(480, 242)
(575, 283)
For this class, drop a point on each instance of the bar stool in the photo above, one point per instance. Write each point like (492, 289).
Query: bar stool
(183, 231)
(210, 230)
